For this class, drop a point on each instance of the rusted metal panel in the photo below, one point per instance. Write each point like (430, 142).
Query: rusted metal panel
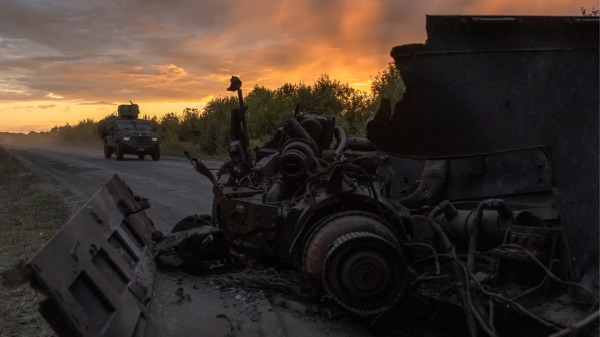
(489, 84)
(98, 270)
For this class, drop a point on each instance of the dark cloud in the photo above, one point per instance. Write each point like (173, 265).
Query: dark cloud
(182, 50)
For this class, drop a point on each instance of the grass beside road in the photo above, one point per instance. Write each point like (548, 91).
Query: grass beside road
(29, 217)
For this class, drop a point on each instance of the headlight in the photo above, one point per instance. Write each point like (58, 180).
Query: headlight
(155, 139)
(125, 138)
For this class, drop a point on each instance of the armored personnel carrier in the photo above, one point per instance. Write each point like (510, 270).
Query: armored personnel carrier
(126, 134)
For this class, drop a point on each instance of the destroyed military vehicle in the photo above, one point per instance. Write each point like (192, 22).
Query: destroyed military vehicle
(471, 208)
(126, 134)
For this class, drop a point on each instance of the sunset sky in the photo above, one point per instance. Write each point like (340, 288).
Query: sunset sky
(62, 61)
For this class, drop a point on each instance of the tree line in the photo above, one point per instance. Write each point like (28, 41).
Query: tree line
(206, 130)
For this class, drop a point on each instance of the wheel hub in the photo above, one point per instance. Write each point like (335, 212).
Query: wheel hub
(364, 273)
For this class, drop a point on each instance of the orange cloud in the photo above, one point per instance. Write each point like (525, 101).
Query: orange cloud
(96, 55)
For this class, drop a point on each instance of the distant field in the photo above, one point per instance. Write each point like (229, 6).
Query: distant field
(29, 216)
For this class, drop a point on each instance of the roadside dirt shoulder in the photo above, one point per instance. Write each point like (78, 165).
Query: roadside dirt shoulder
(29, 216)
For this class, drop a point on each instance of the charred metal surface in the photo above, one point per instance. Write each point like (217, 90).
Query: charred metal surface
(492, 88)
(284, 199)
(195, 247)
(462, 228)
(522, 175)
(482, 85)
(98, 270)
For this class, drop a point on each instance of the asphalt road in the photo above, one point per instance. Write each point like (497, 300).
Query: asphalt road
(172, 185)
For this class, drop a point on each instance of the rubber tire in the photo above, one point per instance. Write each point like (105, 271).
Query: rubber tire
(191, 221)
(107, 152)
(141, 156)
(156, 154)
(119, 152)
(351, 262)
(329, 228)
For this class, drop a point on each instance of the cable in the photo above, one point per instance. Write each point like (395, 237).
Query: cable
(575, 327)
(492, 317)
(474, 311)
(433, 255)
(520, 307)
(549, 273)
(503, 298)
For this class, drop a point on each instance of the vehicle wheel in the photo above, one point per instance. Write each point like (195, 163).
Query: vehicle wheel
(192, 221)
(364, 273)
(141, 156)
(331, 227)
(119, 152)
(356, 259)
(107, 152)
(156, 154)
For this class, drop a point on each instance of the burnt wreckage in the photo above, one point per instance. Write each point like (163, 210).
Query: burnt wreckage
(472, 205)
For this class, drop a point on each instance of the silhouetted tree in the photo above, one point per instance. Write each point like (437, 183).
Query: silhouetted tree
(593, 12)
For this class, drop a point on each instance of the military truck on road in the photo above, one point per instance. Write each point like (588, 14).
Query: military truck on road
(126, 134)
